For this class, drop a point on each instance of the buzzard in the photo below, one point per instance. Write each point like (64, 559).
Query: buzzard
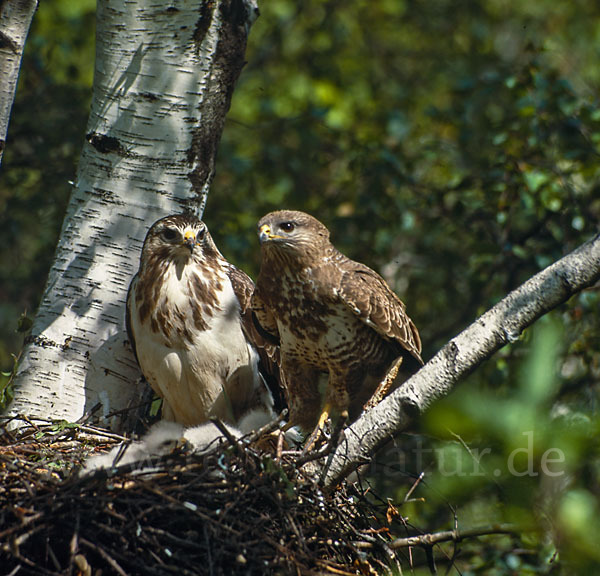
(190, 325)
(339, 326)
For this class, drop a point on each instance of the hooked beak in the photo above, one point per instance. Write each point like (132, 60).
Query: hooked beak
(265, 234)
(189, 240)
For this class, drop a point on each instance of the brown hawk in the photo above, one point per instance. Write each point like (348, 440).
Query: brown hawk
(190, 325)
(338, 324)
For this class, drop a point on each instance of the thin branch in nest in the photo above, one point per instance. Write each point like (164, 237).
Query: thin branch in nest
(105, 555)
(23, 522)
(17, 542)
(194, 510)
(327, 449)
(267, 428)
(89, 413)
(230, 437)
(208, 550)
(279, 447)
(105, 433)
(311, 456)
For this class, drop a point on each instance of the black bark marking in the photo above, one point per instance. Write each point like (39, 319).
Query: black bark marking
(106, 144)
(451, 356)
(7, 42)
(227, 64)
(204, 21)
(235, 12)
(41, 341)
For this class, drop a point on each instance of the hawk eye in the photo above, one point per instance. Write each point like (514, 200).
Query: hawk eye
(169, 234)
(200, 235)
(287, 226)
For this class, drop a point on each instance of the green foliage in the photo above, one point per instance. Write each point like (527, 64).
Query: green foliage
(454, 147)
(524, 455)
(6, 378)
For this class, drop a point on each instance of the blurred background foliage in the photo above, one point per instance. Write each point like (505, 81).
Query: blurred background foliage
(454, 147)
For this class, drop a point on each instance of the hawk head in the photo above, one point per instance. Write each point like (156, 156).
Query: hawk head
(178, 239)
(293, 236)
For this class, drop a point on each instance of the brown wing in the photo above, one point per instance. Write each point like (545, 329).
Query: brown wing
(244, 289)
(268, 352)
(128, 313)
(242, 286)
(264, 321)
(369, 297)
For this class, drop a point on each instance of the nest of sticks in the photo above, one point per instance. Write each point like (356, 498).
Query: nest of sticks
(237, 509)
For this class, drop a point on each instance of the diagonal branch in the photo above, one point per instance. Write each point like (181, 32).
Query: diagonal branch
(498, 326)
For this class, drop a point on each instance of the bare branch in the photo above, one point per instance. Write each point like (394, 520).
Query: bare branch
(500, 325)
(427, 540)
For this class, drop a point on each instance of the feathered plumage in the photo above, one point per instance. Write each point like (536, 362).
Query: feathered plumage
(189, 322)
(337, 322)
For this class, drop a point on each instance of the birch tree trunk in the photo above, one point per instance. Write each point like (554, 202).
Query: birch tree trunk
(163, 81)
(15, 19)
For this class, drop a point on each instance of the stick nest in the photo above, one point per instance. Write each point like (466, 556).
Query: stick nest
(233, 510)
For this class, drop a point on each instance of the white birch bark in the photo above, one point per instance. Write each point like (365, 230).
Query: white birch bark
(498, 326)
(15, 19)
(163, 81)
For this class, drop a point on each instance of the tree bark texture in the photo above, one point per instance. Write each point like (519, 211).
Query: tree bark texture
(15, 19)
(164, 77)
(498, 326)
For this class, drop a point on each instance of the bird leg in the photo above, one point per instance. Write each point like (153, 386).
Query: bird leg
(385, 384)
(319, 429)
(332, 444)
(266, 439)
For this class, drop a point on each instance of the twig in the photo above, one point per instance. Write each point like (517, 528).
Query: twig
(24, 522)
(111, 561)
(19, 540)
(334, 570)
(104, 433)
(385, 385)
(230, 437)
(196, 512)
(311, 456)
(74, 542)
(279, 449)
(267, 428)
(186, 544)
(35, 568)
(52, 556)
(87, 415)
(428, 540)
(208, 551)
(413, 487)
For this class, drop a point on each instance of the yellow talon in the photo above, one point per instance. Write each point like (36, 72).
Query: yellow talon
(324, 417)
(319, 429)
